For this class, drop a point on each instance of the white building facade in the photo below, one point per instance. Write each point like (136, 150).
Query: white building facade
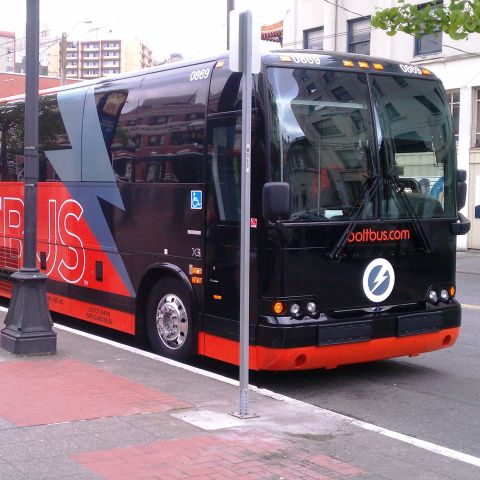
(344, 26)
(7, 52)
(89, 59)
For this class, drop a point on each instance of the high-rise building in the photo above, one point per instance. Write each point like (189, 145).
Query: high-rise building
(7, 51)
(96, 58)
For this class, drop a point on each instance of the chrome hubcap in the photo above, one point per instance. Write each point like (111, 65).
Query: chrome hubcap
(172, 321)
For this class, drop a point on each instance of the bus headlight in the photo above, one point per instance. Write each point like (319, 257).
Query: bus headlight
(444, 295)
(295, 309)
(312, 308)
(433, 296)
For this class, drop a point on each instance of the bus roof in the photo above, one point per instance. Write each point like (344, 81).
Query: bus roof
(344, 61)
(279, 57)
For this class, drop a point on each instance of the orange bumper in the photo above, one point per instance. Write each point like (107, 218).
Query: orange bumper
(331, 356)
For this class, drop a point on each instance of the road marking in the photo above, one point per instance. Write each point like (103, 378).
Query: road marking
(472, 307)
(424, 445)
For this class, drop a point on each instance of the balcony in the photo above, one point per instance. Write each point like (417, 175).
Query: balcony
(89, 74)
(90, 53)
(111, 46)
(90, 48)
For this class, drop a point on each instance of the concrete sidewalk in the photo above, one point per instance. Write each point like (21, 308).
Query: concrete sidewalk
(101, 410)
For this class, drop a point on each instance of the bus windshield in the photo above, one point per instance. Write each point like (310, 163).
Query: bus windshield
(321, 140)
(416, 146)
(323, 145)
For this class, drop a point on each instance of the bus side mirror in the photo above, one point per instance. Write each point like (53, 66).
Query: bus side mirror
(276, 201)
(461, 188)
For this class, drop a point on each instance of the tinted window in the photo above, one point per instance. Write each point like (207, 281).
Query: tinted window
(52, 135)
(12, 141)
(225, 163)
(225, 91)
(321, 141)
(417, 145)
(171, 125)
(117, 107)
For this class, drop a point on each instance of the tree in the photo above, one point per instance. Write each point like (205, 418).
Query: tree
(458, 19)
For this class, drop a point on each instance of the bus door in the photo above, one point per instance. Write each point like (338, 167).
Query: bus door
(223, 226)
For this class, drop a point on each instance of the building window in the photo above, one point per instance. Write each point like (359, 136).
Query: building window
(359, 35)
(454, 104)
(429, 42)
(477, 123)
(313, 38)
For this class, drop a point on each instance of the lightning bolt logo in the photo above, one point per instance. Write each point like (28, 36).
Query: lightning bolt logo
(92, 165)
(380, 278)
(379, 273)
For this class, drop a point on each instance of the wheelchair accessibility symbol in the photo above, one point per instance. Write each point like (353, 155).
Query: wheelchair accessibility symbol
(196, 199)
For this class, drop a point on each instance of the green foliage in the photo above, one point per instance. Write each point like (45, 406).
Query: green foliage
(458, 19)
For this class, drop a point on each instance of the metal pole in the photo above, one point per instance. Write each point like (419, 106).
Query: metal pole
(230, 7)
(28, 325)
(31, 136)
(245, 29)
(63, 59)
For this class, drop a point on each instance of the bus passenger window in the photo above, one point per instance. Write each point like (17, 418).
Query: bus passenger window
(224, 168)
(171, 123)
(11, 155)
(109, 107)
(117, 113)
(52, 136)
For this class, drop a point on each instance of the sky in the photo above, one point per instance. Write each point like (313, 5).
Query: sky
(194, 28)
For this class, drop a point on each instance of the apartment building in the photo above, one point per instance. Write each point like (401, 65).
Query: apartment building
(344, 25)
(97, 58)
(7, 51)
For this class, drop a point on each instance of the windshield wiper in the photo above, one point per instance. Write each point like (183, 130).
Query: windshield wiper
(369, 193)
(394, 182)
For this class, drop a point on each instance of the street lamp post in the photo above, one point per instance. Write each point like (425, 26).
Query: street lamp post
(28, 325)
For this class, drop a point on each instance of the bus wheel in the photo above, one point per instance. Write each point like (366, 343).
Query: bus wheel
(169, 320)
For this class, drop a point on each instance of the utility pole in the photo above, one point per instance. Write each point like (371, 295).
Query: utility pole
(63, 59)
(28, 325)
(230, 8)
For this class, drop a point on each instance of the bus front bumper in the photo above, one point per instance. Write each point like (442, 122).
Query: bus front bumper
(372, 337)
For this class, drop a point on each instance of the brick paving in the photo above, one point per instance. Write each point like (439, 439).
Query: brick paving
(243, 456)
(61, 390)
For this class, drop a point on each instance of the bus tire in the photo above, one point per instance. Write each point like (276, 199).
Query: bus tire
(170, 325)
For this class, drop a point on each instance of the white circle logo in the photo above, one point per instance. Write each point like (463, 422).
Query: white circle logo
(378, 280)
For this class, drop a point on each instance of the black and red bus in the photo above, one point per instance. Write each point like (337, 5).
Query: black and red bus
(354, 218)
